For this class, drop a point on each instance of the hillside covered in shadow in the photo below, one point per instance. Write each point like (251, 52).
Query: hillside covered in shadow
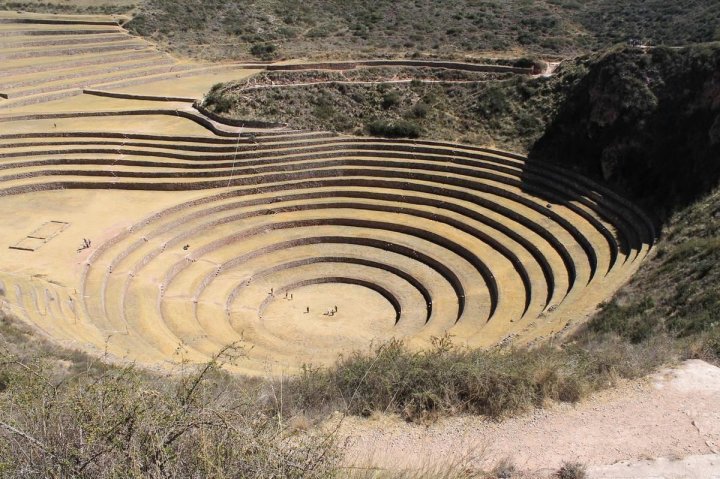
(646, 122)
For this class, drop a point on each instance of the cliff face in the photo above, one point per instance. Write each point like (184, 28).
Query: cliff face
(646, 122)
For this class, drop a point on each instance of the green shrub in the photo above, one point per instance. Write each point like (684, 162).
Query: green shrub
(505, 469)
(390, 100)
(264, 51)
(324, 108)
(394, 129)
(220, 104)
(493, 101)
(450, 380)
(629, 321)
(572, 470)
(218, 100)
(420, 110)
(711, 344)
(524, 62)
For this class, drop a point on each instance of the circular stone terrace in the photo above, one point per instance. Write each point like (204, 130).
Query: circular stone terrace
(141, 228)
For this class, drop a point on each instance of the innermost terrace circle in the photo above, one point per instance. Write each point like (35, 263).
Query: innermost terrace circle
(336, 313)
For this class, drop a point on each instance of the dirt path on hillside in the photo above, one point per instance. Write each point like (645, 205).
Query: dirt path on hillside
(359, 82)
(673, 414)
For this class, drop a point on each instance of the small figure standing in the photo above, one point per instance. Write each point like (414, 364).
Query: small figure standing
(307, 309)
(85, 245)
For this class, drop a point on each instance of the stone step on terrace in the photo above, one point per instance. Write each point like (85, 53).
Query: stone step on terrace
(255, 153)
(238, 170)
(13, 31)
(41, 77)
(409, 301)
(222, 207)
(299, 233)
(52, 66)
(124, 74)
(35, 42)
(69, 51)
(121, 173)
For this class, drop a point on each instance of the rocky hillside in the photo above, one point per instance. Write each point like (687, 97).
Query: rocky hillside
(645, 121)
(676, 292)
(275, 28)
(507, 112)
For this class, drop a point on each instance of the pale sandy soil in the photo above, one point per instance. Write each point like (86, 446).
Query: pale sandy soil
(674, 414)
(696, 467)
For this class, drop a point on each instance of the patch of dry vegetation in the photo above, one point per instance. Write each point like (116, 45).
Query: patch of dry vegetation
(448, 380)
(64, 414)
(677, 292)
(83, 419)
(232, 29)
(510, 114)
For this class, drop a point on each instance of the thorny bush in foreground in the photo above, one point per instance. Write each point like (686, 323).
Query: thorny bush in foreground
(120, 422)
